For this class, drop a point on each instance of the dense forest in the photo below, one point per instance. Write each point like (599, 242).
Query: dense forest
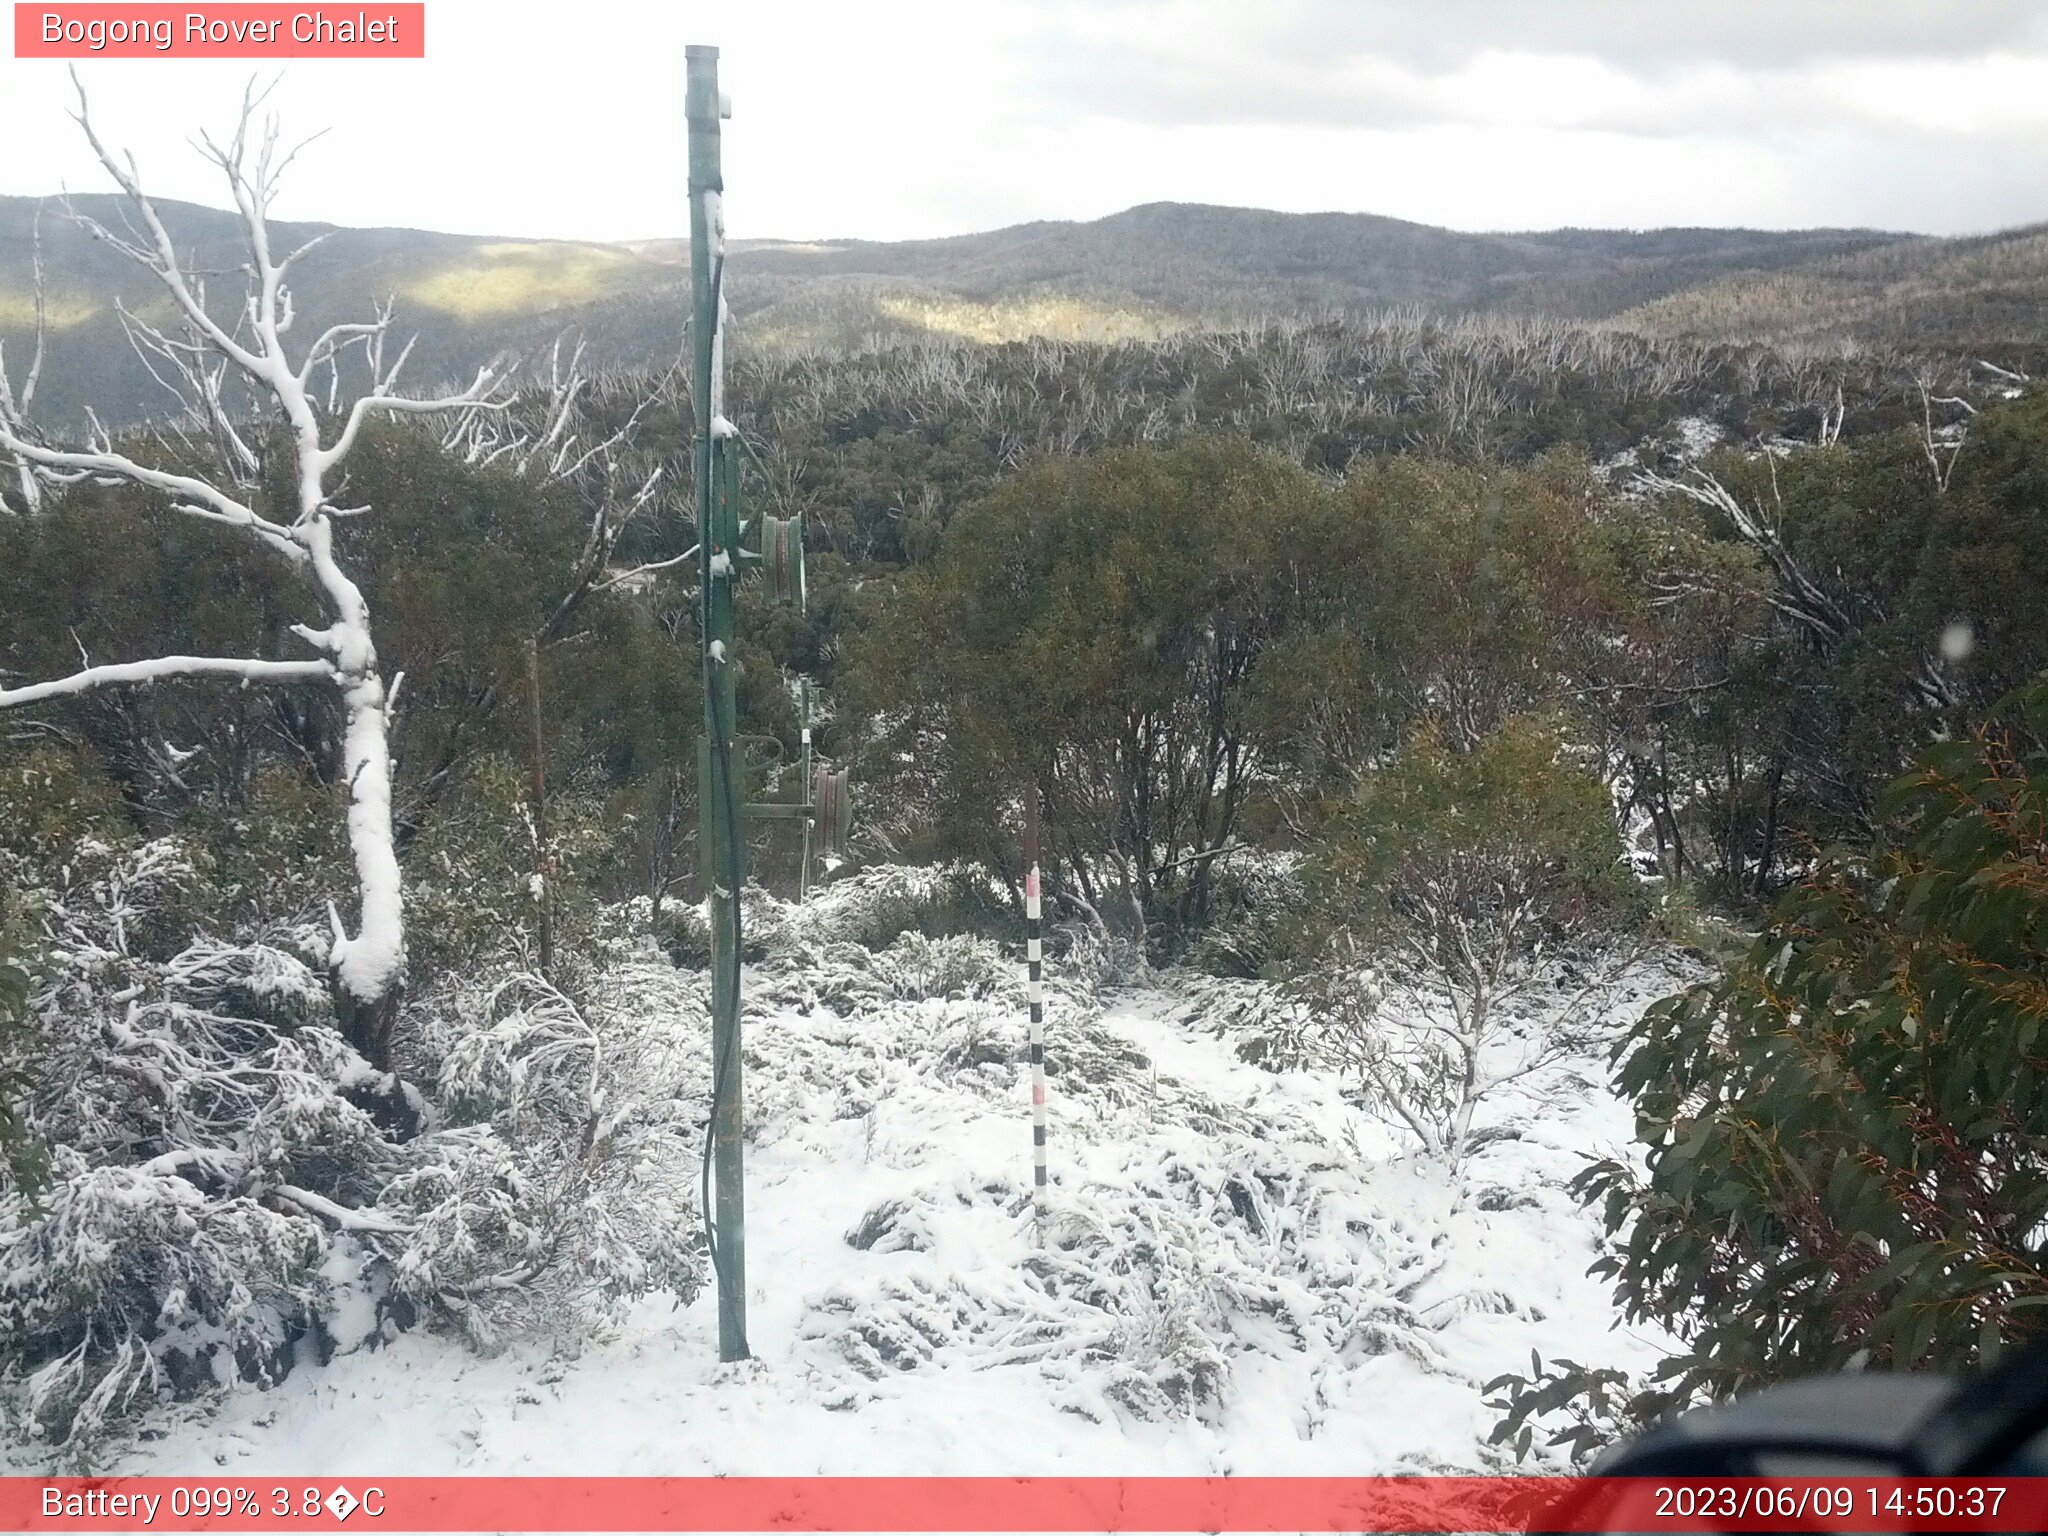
(1342, 655)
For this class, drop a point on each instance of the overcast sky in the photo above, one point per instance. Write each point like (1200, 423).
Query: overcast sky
(890, 119)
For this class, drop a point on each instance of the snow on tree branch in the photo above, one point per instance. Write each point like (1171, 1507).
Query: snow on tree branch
(156, 670)
(368, 965)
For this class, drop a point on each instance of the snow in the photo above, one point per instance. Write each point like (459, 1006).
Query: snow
(1245, 1273)
(1696, 436)
(160, 668)
(714, 224)
(352, 1319)
(370, 963)
(714, 221)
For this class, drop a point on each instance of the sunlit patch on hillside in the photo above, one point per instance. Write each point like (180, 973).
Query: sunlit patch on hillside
(1061, 316)
(520, 278)
(61, 311)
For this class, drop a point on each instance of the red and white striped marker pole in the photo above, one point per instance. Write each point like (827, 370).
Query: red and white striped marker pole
(1034, 959)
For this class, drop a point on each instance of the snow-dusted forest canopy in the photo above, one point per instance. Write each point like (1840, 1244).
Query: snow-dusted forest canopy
(1520, 797)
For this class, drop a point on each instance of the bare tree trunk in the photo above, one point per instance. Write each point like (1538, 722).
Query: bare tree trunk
(543, 870)
(1768, 851)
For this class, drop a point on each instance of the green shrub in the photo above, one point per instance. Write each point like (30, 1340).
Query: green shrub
(1846, 1132)
(52, 802)
(1445, 879)
(471, 889)
(1254, 899)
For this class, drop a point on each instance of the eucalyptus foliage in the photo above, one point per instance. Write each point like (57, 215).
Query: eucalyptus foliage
(1848, 1133)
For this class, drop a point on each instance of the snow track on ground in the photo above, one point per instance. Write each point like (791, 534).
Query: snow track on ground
(1245, 1274)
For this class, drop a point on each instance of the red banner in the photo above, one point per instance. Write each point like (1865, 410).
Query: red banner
(931, 1504)
(375, 31)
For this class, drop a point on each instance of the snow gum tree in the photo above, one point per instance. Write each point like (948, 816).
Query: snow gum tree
(243, 387)
(1097, 625)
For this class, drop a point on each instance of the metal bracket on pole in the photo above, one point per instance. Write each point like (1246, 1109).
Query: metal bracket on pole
(829, 809)
(715, 457)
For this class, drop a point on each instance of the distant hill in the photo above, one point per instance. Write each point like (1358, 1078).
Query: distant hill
(1983, 290)
(1192, 259)
(467, 298)
(1144, 272)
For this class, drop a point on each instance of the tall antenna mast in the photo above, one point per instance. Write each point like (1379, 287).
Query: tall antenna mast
(720, 838)
(716, 447)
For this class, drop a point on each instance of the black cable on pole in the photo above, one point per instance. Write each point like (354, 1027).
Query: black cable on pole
(721, 1080)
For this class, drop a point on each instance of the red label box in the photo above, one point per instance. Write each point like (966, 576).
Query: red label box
(378, 30)
(787, 1505)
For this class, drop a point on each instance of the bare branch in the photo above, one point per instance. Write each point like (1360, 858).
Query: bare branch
(1798, 597)
(161, 257)
(161, 667)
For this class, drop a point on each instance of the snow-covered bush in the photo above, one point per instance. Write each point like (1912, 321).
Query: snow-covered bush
(1255, 895)
(1424, 1057)
(563, 1180)
(916, 967)
(877, 906)
(1154, 1280)
(1087, 954)
(797, 971)
(122, 1283)
(1263, 1020)
(176, 1093)
(215, 1175)
(1434, 896)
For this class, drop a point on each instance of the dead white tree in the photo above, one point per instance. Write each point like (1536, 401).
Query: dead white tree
(1940, 444)
(1800, 598)
(1825, 620)
(549, 439)
(197, 361)
(27, 482)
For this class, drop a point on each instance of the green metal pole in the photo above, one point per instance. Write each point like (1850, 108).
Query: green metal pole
(720, 847)
(803, 878)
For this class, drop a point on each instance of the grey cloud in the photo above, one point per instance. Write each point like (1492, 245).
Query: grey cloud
(1654, 35)
(1301, 62)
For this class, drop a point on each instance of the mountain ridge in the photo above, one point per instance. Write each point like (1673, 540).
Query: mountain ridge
(1142, 272)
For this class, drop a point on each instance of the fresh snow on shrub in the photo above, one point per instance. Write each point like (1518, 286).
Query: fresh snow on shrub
(1243, 1270)
(226, 1188)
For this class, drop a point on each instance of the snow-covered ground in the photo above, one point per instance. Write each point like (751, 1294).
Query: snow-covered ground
(1242, 1273)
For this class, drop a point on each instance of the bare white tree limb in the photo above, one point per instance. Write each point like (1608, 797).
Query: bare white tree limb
(1941, 447)
(159, 668)
(1798, 596)
(27, 481)
(344, 1218)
